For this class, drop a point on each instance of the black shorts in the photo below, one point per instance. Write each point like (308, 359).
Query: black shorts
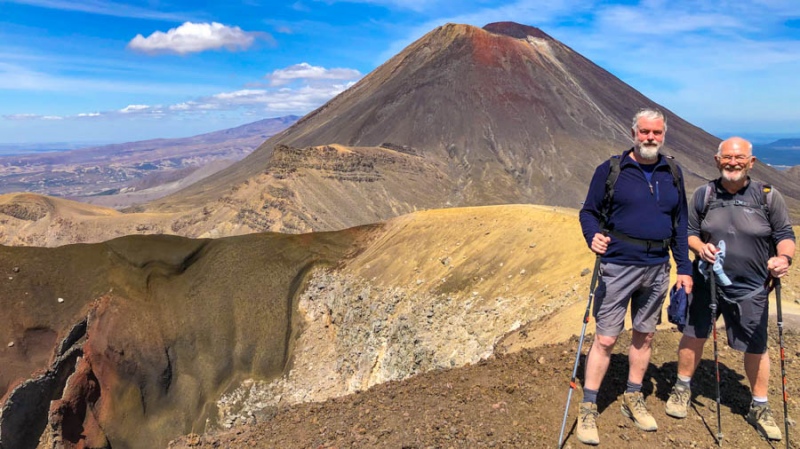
(746, 321)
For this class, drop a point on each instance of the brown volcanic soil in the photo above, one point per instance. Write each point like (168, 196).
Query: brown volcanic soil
(445, 285)
(517, 400)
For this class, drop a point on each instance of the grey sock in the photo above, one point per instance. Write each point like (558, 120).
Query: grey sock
(590, 396)
(685, 384)
(632, 387)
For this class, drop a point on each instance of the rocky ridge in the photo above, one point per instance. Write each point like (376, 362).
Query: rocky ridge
(356, 335)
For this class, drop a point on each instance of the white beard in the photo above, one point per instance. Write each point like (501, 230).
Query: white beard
(733, 175)
(648, 152)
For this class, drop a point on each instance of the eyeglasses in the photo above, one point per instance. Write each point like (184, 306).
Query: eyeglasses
(737, 158)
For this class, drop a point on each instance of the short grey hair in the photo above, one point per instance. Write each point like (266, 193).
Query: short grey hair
(649, 113)
(749, 146)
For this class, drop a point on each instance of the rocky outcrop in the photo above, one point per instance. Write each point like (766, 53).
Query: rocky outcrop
(355, 335)
(24, 415)
(167, 324)
(28, 212)
(341, 163)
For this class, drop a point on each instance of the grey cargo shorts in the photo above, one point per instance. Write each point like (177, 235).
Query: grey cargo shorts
(645, 287)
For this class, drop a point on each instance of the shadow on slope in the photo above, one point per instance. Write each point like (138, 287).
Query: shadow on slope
(159, 328)
(155, 328)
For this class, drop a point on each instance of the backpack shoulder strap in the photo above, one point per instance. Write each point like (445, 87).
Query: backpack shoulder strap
(673, 169)
(764, 201)
(613, 174)
(678, 183)
(611, 180)
(709, 196)
(766, 196)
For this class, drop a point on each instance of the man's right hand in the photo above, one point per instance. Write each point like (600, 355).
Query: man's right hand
(600, 243)
(708, 252)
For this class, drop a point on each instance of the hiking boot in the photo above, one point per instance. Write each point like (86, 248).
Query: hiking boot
(633, 407)
(761, 418)
(587, 424)
(678, 402)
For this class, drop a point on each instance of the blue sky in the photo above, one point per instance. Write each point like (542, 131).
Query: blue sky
(117, 71)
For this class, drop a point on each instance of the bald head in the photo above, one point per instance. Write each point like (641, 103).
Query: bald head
(734, 160)
(736, 145)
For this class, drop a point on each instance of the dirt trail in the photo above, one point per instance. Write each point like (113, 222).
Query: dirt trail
(517, 400)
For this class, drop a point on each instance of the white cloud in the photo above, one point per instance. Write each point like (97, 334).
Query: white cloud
(195, 37)
(282, 100)
(305, 71)
(414, 5)
(15, 77)
(101, 7)
(134, 108)
(181, 106)
(239, 95)
(22, 117)
(299, 100)
(638, 21)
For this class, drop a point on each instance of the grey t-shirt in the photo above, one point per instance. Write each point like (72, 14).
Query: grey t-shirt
(748, 234)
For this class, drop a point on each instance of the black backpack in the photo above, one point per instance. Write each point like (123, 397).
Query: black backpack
(710, 200)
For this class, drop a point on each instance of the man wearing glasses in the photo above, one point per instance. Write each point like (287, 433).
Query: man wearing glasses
(633, 232)
(752, 220)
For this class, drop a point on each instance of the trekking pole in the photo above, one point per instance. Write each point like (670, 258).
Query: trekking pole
(716, 352)
(777, 284)
(572, 383)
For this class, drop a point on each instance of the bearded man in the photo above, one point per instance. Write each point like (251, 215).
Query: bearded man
(633, 233)
(752, 219)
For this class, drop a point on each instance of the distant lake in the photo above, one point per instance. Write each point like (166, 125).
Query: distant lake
(19, 152)
(18, 149)
(778, 155)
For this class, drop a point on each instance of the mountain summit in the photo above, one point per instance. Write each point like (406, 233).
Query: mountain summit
(503, 114)
(516, 30)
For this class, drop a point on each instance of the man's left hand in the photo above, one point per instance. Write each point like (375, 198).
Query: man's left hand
(686, 282)
(778, 266)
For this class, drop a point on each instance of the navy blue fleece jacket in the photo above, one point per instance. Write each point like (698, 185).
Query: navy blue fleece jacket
(639, 212)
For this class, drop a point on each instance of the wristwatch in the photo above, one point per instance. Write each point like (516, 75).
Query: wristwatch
(788, 258)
